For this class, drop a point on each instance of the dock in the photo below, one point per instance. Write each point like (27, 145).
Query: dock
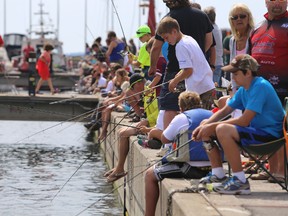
(47, 107)
(61, 80)
(266, 198)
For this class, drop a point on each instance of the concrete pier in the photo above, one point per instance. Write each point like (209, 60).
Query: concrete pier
(46, 107)
(266, 198)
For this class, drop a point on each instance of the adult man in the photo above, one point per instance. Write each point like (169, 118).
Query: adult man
(27, 50)
(269, 46)
(193, 22)
(260, 122)
(133, 98)
(217, 34)
(191, 116)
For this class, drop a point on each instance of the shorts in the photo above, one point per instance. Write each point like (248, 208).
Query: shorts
(160, 120)
(249, 135)
(168, 100)
(179, 170)
(208, 98)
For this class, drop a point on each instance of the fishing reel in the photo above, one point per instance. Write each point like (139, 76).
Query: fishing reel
(150, 99)
(180, 88)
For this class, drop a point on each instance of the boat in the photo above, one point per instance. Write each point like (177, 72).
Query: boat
(43, 33)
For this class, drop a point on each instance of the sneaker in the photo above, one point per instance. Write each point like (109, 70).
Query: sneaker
(213, 179)
(233, 186)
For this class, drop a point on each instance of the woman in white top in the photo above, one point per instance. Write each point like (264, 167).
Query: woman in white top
(241, 23)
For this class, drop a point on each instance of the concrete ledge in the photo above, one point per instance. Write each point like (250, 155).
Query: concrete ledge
(266, 198)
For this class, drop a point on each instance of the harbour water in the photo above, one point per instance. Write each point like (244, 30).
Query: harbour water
(37, 159)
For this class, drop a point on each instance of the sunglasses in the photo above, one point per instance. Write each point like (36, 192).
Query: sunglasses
(241, 16)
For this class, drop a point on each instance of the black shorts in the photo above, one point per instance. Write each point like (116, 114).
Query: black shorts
(180, 170)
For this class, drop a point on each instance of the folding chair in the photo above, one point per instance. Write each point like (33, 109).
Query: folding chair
(268, 149)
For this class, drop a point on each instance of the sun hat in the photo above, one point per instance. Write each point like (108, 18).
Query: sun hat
(142, 30)
(242, 62)
(136, 77)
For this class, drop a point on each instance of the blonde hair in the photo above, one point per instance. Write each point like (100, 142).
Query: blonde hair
(245, 9)
(189, 100)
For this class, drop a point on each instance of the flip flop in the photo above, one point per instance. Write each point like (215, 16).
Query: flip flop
(106, 174)
(260, 176)
(115, 176)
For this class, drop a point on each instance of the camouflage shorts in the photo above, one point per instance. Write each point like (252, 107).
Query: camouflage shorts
(208, 98)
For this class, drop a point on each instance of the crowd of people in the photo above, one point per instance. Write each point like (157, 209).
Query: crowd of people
(182, 66)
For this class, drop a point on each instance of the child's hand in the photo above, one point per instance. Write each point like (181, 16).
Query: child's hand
(144, 129)
(172, 85)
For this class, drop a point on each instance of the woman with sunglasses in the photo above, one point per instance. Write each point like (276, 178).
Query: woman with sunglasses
(241, 23)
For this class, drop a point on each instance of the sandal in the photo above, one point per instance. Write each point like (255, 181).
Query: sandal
(115, 176)
(260, 176)
(106, 174)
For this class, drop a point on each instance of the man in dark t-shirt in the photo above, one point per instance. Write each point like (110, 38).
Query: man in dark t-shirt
(194, 23)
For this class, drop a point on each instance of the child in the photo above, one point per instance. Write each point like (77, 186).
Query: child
(42, 66)
(143, 59)
(260, 122)
(195, 70)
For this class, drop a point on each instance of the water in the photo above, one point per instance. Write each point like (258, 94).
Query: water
(37, 161)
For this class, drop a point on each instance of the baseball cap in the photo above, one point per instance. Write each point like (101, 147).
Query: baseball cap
(142, 30)
(242, 62)
(135, 78)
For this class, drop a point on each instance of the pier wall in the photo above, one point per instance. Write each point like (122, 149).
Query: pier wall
(131, 189)
(266, 198)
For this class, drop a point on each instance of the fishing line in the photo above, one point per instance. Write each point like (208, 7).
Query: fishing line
(84, 162)
(115, 9)
(138, 174)
(157, 161)
(99, 145)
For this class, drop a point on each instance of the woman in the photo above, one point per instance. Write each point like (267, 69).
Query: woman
(121, 85)
(241, 23)
(115, 48)
(43, 65)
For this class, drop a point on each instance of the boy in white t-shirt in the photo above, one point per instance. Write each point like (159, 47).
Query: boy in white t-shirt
(195, 69)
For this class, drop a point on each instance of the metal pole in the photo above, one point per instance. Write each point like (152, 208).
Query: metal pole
(4, 13)
(58, 18)
(30, 18)
(85, 24)
(112, 18)
(107, 18)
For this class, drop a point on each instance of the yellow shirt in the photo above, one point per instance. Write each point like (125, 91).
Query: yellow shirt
(144, 57)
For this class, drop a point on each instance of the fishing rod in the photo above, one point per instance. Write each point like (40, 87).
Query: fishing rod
(117, 124)
(80, 116)
(112, 1)
(138, 174)
(201, 191)
(85, 161)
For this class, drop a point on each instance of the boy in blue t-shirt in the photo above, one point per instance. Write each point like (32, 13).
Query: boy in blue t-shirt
(261, 122)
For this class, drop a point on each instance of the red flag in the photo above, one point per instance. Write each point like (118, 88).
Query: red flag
(151, 17)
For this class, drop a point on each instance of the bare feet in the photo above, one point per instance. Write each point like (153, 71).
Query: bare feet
(102, 135)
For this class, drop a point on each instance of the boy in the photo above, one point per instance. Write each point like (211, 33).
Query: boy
(195, 70)
(191, 116)
(143, 59)
(260, 122)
